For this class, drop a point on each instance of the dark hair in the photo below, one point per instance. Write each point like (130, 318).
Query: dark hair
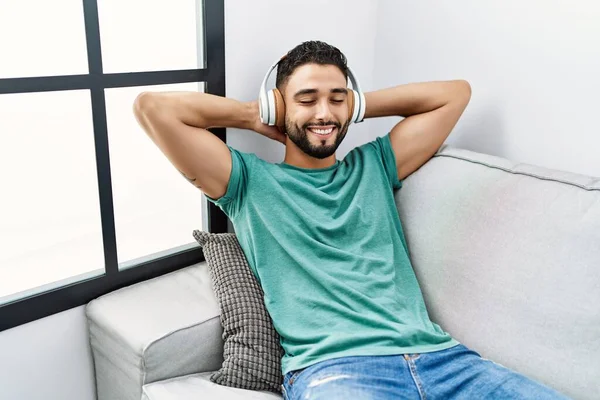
(310, 52)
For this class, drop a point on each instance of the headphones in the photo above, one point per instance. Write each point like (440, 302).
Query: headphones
(272, 107)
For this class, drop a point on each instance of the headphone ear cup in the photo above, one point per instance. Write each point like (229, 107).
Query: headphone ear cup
(279, 108)
(351, 101)
(267, 112)
(357, 111)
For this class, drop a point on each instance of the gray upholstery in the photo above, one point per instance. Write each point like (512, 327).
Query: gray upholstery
(508, 258)
(154, 330)
(507, 254)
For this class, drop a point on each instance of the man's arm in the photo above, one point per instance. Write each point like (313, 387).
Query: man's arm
(431, 110)
(177, 123)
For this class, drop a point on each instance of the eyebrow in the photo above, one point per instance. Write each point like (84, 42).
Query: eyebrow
(312, 91)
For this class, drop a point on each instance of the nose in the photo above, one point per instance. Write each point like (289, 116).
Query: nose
(323, 111)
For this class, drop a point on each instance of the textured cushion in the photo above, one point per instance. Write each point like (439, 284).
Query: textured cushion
(154, 330)
(508, 258)
(200, 387)
(252, 350)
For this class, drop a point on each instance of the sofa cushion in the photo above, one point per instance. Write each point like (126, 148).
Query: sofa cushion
(252, 350)
(199, 386)
(156, 329)
(508, 259)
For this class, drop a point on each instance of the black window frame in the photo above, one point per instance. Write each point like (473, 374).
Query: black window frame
(44, 304)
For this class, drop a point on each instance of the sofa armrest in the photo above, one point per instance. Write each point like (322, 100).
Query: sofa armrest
(157, 329)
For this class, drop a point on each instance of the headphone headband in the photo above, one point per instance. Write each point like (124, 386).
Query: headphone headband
(263, 86)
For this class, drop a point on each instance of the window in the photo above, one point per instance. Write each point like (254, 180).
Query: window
(89, 203)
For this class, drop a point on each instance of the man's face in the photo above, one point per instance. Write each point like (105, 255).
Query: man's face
(316, 115)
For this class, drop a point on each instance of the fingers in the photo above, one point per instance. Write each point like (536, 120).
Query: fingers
(279, 135)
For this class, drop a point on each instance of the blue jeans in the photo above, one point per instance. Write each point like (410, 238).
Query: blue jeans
(454, 373)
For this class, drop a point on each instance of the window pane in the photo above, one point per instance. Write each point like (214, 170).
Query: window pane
(49, 210)
(156, 209)
(42, 38)
(141, 35)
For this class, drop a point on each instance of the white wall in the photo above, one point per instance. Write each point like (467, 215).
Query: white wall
(533, 67)
(48, 359)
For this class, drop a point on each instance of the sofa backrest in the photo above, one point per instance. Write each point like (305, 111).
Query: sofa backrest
(508, 259)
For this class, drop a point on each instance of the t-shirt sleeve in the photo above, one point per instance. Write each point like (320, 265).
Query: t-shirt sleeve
(233, 200)
(388, 157)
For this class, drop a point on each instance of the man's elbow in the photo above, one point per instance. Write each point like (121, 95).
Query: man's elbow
(463, 90)
(459, 94)
(145, 110)
(144, 102)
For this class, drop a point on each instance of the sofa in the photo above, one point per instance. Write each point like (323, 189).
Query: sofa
(507, 255)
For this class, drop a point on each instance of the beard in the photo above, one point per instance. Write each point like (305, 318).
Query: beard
(299, 135)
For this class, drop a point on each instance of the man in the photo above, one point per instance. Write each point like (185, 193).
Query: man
(323, 235)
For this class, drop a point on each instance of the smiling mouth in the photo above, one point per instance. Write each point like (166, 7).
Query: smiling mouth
(322, 131)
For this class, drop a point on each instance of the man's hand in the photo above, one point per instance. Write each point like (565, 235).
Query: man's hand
(272, 132)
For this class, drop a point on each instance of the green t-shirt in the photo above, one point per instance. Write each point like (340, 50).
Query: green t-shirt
(328, 249)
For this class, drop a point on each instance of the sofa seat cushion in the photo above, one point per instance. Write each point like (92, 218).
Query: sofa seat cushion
(199, 386)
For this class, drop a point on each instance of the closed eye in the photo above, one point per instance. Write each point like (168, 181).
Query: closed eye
(312, 101)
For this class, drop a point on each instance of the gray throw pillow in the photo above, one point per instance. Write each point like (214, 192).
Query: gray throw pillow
(252, 352)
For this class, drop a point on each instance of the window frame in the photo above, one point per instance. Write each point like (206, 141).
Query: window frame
(44, 304)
